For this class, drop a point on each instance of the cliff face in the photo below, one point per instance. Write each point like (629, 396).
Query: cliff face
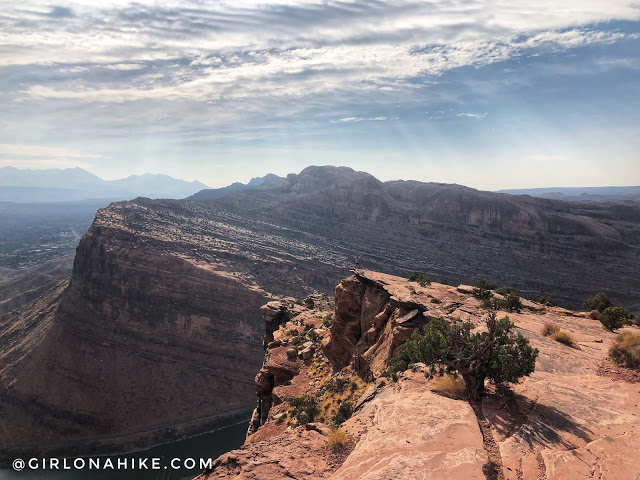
(452, 231)
(146, 342)
(572, 418)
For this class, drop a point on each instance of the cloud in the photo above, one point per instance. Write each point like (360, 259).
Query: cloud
(358, 119)
(18, 150)
(268, 71)
(471, 115)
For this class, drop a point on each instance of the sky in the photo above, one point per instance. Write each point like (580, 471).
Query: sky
(491, 94)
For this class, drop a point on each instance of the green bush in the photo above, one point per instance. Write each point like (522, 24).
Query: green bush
(546, 299)
(420, 278)
(613, 317)
(327, 320)
(444, 281)
(499, 354)
(345, 410)
(305, 409)
(506, 291)
(510, 303)
(313, 335)
(626, 350)
(483, 290)
(599, 302)
(483, 284)
(309, 303)
(335, 384)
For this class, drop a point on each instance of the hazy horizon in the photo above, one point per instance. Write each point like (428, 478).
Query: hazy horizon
(491, 95)
(544, 188)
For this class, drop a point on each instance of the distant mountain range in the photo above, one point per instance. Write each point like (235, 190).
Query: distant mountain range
(268, 181)
(582, 194)
(75, 184)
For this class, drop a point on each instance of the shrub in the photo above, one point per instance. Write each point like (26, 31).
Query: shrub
(335, 384)
(506, 291)
(421, 278)
(296, 340)
(563, 337)
(626, 350)
(327, 320)
(435, 300)
(444, 281)
(499, 354)
(345, 410)
(489, 304)
(612, 318)
(549, 329)
(510, 303)
(451, 387)
(305, 409)
(483, 290)
(337, 439)
(599, 302)
(313, 335)
(546, 299)
(309, 303)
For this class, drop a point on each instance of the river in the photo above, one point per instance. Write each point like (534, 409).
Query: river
(206, 446)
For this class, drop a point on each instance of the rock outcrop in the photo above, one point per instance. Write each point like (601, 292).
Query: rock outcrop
(146, 343)
(572, 418)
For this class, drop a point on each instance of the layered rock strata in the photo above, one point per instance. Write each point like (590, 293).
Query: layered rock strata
(572, 418)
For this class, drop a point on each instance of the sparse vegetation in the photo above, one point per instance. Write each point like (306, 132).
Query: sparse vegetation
(337, 439)
(305, 409)
(309, 303)
(612, 318)
(546, 299)
(335, 384)
(327, 320)
(563, 337)
(510, 303)
(549, 329)
(420, 278)
(313, 335)
(451, 387)
(483, 290)
(499, 354)
(553, 331)
(506, 291)
(435, 300)
(345, 410)
(599, 302)
(444, 281)
(626, 350)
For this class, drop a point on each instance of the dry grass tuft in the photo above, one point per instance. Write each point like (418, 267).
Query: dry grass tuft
(450, 387)
(563, 337)
(626, 350)
(549, 329)
(337, 439)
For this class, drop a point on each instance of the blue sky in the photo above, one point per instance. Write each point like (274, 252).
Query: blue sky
(490, 94)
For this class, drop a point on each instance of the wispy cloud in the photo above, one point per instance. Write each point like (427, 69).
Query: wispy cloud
(358, 119)
(471, 115)
(156, 74)
(18, 150)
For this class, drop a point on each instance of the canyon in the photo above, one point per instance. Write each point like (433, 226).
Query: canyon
(158, 334)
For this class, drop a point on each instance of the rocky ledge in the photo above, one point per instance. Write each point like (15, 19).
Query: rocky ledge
(574, 417)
